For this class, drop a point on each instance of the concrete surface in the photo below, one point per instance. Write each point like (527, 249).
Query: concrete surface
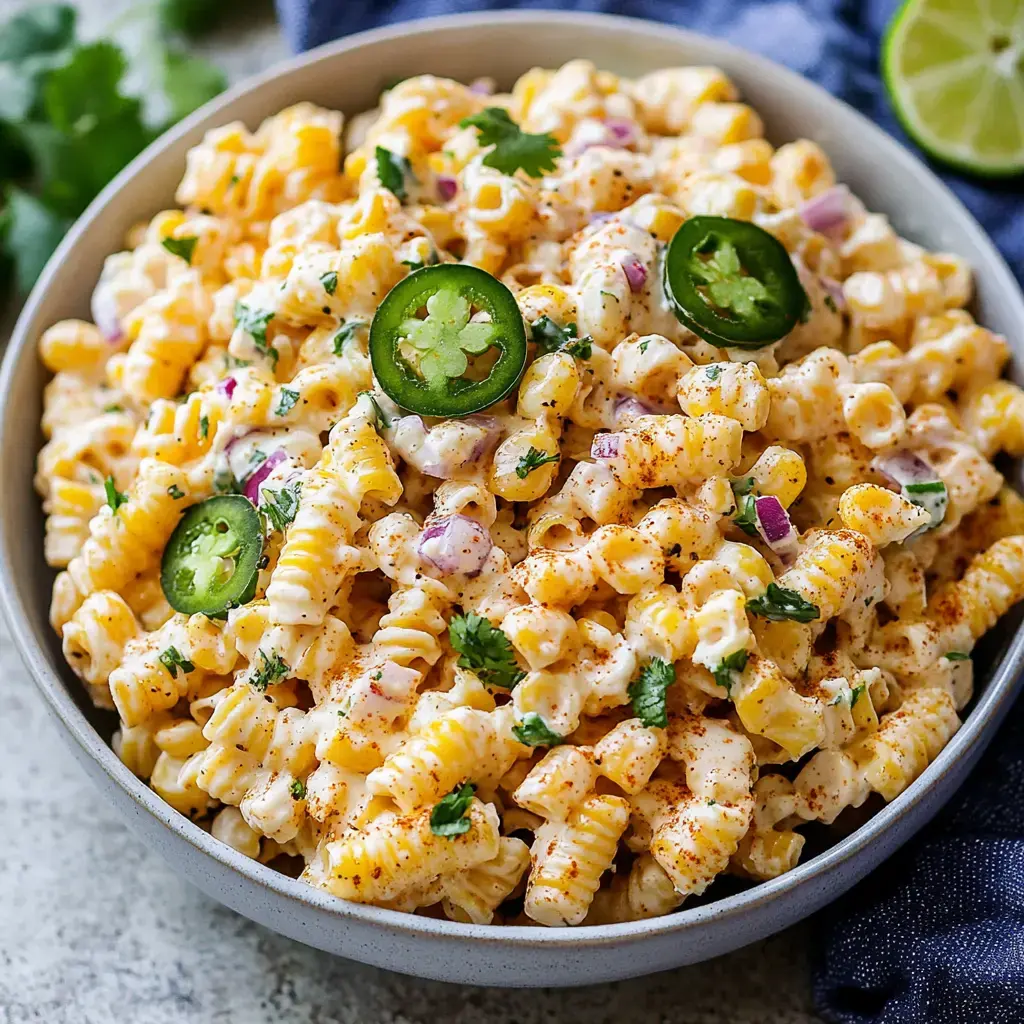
(96, 929)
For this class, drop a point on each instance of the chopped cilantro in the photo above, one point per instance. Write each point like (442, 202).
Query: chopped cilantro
(535, 732)
(746, 514)
(172, 660)
(728, 287)
(549, 337)
(392, 170)
(345, 335)
(713, 372)
(330, 281)
(204, 426)
(297, 789)
(643, 346)
(647, 692)
(514, 149)
(254, 322)
(286, 402)
(485, 649)
(778, 604)
(727, 667)
(113, 408)
(958, 656)
(831, 303)
(450, 816)
(532, 460)
(115, 499)
(270, 670)
(280, 507)
(383, 422)
(175, 492)
(183, 247)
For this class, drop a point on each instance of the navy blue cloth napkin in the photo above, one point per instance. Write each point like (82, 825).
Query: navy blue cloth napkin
(937, 935)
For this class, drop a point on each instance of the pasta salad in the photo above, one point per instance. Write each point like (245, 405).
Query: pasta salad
(524, 508)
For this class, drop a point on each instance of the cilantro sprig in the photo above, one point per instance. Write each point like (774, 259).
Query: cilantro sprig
(778, 604)
(485, 649)
(647, 692)
(450, 815)
(392, 170)
(722, 275)
(67, 124)
(183, 247)
(726, 670)
(534, 459)
(514, 150)
(281, 507)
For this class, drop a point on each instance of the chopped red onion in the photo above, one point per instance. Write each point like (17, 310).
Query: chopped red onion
(262, 471)
(482, 86)
(606, 446)
(601, 217)
(447, 186)
(776, 529)
(621, 130)
(903, 468)
(226, 386)
(455, 544)
(829, 212)
(629, 408)
(635, 271)
(492, 427)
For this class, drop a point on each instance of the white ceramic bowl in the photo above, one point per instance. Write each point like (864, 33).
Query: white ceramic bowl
(349, 75)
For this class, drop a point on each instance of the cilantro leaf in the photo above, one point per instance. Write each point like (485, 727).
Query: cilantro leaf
(534, 459)
(330, 281)
(392, 170)
(957, 656)
(172, 659)
(445, 337)
(778, 604)
(270, 670)
(742, 485)
(254, 322)
(383, 421)
(345, 335)
(728, 287)
(450, 816)
(183, 247)
(280, 507)
(286, 402)
(485, 649)
(713, 372)
(746, 514)
(535, 732)
(549, 337)
(647, 692)
(175, 492)
(43, 28)
(115, 499)
(189, 82)
(192, 17)
(204, 426)
(513, 149)
(297, 789)
(32, 232)
(724, 671)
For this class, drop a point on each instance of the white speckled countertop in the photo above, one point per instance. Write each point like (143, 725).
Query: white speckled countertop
(96, 929)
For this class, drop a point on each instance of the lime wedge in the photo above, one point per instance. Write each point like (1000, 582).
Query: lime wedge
(954, 70)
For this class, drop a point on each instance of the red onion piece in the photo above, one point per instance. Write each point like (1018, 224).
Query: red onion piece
(455, 544)
(775, 528)
(262, 471)
(621, 130)
(635, 271)
(487, 443)
(226, 386)
(829, 212)
(606, 446)
(903, 468)
(482, 86)
(629, 408)
(447, 186)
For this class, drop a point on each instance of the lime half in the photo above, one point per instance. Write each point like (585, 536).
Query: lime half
(955, 73)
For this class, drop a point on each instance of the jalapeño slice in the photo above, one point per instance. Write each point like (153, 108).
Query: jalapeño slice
(209, 564)
(732, 283)
(422, 362)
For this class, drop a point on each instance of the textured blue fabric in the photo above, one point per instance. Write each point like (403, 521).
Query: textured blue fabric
(937, 935)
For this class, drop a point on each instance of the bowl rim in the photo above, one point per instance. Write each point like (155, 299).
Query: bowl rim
(989, 707)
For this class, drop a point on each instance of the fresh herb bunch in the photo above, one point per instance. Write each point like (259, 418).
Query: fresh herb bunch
(66, 126)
